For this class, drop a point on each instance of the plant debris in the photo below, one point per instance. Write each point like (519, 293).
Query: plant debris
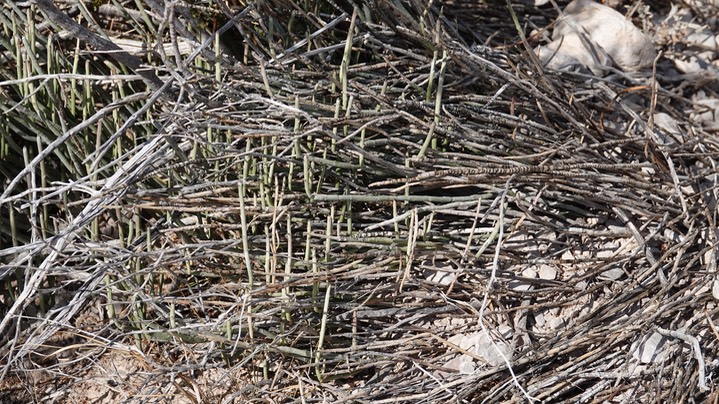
(338, 202)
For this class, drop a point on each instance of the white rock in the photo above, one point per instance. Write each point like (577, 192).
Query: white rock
(466, 367)
(463, 364)
(570, 51)
(668, 127)
(529, 273)
(588, 26)
(519, 286)
(547, 272)
(464, 341)
(483, 345)
(556, 323)
(607, 251)
(567, 256)
(443, 278)
(650, 348)
(706, 110)
(692, 65)
(703, 38)
(505, 331)
(612, 274)
(703, 3)
(493, 352)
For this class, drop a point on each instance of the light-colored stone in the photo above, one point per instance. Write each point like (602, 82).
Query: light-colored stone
(494, 352)
(589, 33)
(649, 350)
(668, 132)
(547, 272)
(706, 110)
(463, 364)
(443, 278)
(572, 51)
(611, 274)
(484, 345)
(529, 273)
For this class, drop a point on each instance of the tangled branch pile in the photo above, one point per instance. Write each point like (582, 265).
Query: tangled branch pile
(377, 202)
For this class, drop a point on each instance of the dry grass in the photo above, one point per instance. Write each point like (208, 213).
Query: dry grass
(335, 204)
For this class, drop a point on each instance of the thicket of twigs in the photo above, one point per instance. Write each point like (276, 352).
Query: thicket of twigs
(340, 202)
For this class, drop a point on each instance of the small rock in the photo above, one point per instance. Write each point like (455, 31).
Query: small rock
(590, 33)
(505, 331)
(573, 50)
(529, 273)
(443, 278)
(706, 110)
(519, 286)
(650, 348)
(493, 352)
(668, 128)
(547, 272)
(612, 274)
(463, 364)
